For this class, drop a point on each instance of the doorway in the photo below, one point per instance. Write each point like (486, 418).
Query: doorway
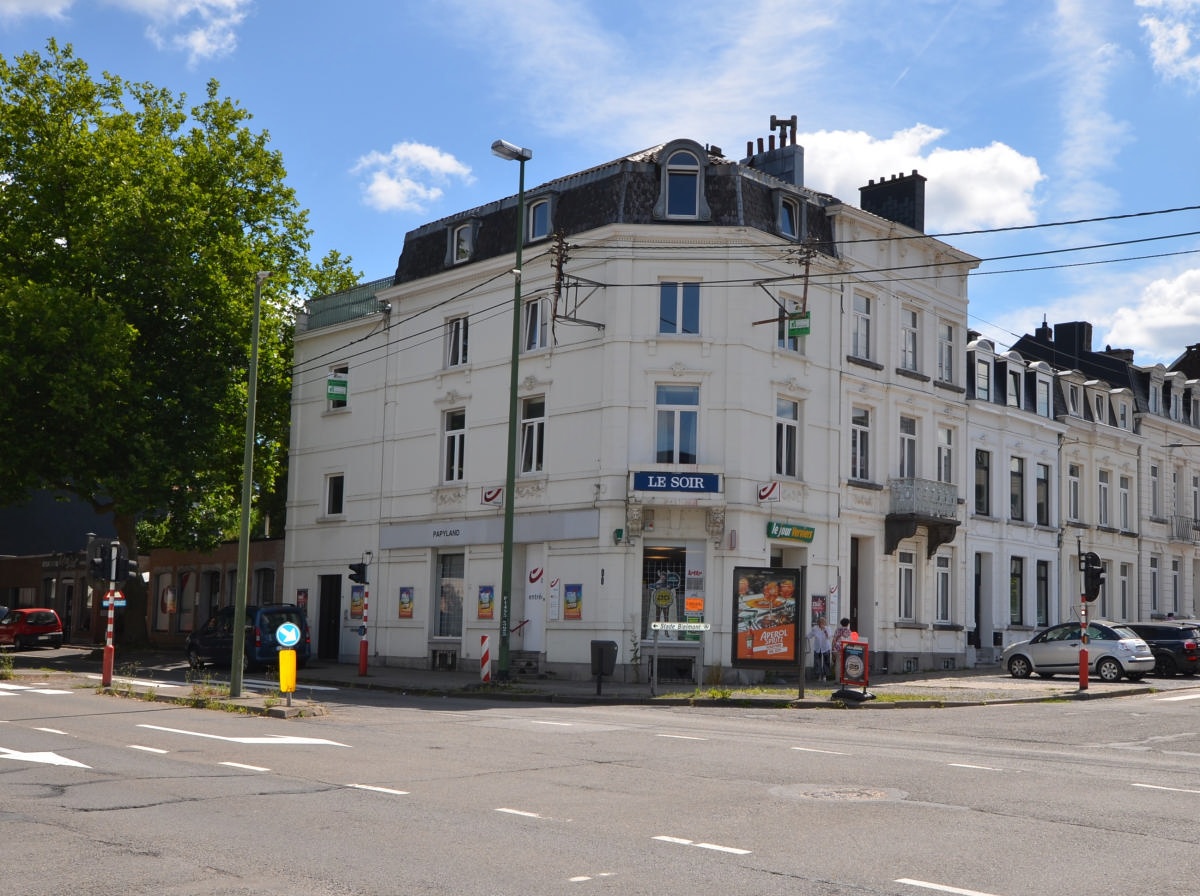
(329, 635)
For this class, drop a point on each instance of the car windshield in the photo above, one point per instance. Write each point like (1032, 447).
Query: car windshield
(1122, 631)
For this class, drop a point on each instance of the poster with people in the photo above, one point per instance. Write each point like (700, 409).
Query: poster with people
(766, 616)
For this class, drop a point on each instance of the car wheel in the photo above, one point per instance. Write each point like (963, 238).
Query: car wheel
(19, 644)
(1108, 669)
(1167, 667)
(1020, 667)
(194, 659)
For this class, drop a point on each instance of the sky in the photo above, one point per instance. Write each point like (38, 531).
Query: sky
(1024, 116)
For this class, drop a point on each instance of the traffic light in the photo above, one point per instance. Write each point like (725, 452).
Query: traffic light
(97, 554)
(358, 573)
(126, 566)
(1093, 575)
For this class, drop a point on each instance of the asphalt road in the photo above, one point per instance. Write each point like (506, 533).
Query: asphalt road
(443, 795)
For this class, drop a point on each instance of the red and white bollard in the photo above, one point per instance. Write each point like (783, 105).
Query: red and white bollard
(485, 659)
(362, 645)
(106, 666)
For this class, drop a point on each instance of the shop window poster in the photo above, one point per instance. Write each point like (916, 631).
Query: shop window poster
(766, 620)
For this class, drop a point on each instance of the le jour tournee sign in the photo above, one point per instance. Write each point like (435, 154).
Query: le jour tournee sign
(766, 616)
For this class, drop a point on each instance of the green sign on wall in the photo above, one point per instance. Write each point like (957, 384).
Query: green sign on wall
(337, 389)
(789, 531)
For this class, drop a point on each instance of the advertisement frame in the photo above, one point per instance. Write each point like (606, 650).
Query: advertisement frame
(767, 618)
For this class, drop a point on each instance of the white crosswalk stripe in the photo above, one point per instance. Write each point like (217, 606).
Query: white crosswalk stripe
(8, 689)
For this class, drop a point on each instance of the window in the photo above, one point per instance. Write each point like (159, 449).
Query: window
(945, 454)
(448, 614)
(1014, 389)
(455, 442)
(983, 482)
(1155, 398)
(683, 185)
(535, 325)
(1101, 405)
(906, 585)
(908, 339)
(677, 409)
(335, 494)
(1155, 492)
(533, 434)
(456, 341)
(946, 352)
(860, 346)
(1016, 488)
(462, 242)
(1016, 589)
(1123, 415)
(782, 339)
(787, 436)
(1123, 502)
(539, 220)
(1125, 571)
(1102, 489)
(1042, 584)
(1073, 473)
(337, 387)
(1175, 585)
(944, 589)
(1043, 398)
(789, 218)
(1042, 494)
(908, 448)
(1195, 500)
(1154, 583)
(1073, 399)
(860, 444)
(983, 380)
(679, 308)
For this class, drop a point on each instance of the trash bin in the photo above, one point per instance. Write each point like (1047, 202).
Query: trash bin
(604, 657)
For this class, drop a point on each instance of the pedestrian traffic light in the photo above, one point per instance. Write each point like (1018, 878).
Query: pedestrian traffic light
(358, 573)
(1093, 575)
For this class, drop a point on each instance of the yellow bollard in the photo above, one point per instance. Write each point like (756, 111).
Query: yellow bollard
(287, 671)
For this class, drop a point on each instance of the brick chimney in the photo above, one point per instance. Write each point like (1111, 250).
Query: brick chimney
(786, 161)
(900, 198)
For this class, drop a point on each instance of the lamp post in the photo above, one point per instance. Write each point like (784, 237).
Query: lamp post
(243, 561)
(512, 153)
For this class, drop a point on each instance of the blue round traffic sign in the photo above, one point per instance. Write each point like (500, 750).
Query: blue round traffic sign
(288, 634)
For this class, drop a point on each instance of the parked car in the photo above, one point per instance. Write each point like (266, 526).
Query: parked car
(1113, 650)
(1175, 645)
(31, 626)
(212, 643)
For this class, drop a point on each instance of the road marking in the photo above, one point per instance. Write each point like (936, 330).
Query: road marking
(45, 758)
(9, 690)
(252, 768)
(1179, 697)
(586, 877)
(982, 768)
(941, 888)
(379, 789)
(812, 750)
(1172, 789)
(559, 724)
(270, 739)
(682, 842)
(50, 730)
(681, 737)
(146, 749)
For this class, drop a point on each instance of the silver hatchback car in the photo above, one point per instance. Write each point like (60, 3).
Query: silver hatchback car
(1113, 650)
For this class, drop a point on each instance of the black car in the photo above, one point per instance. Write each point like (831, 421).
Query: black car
(212, 643)
(1175, 645)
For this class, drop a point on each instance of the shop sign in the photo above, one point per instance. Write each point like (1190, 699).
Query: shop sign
(691, 483)
(790, 531)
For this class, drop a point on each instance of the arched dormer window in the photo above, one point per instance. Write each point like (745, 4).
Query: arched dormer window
(537, 217)
(787, 216)
(681, 189)
(461, 243)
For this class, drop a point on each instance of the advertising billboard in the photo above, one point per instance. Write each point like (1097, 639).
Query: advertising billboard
(766, 617)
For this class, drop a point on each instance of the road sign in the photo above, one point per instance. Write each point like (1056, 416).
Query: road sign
(681, 626)
(288, 634)
(114, 597)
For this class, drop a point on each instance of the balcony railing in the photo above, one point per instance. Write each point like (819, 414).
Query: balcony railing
(1183, 528)
(924, 499)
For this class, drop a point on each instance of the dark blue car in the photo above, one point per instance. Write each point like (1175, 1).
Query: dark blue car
(212, 643)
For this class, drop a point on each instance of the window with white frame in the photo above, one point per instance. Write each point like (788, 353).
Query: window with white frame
(677, 410)
(906, 576)
(983, 482)
(787, 437)
(454, 446)
(462, 243)
(1043, 398)
(535, 325)
(908, 448)
(1176, 584)
(456, 341)
(1123, 502)
(946, 352)
(860, 335)
(1125, 571)
(1195, 500)
(1014, 388)
(337, 387)
(782, 339)
(1101, 407)
(1073, 477)
(451, 590)
(335, 494)
(1016, 488)
(683, 185)
(679, 308)
(1104, 481)
(1016, 590)
(538, 217)
(1123, 415)
(860, 443)
(983, 379)
(1042, 494)
(1195, 417)
(1154, 583)
(945, 592)
(1073, 398)
(945, 454)
(908, 339)
(1155, 398)
(789, 218)
(533, 434)
(1155, 493)
(1042, 585)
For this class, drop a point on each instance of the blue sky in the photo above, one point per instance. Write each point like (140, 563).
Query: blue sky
(1019, 112)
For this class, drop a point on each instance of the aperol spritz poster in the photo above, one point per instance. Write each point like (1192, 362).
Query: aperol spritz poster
(766, 621)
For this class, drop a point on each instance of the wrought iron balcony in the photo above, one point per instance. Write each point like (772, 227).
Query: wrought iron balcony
(921, 502)
(1183, 528)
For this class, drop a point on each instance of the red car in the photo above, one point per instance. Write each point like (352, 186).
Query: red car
(31, 627)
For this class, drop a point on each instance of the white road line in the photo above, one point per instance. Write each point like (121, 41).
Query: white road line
(7, 690)
(50, 730)
(982, 768)
(519, 812)
(811, 750)
(559, 724)
(252, 768)
(379, 789)
(682, 842)
(1157, 787)
(1177, 698)
(941, 888)
(270, 739)
(146, 749)
(586, 877)
(680, 737)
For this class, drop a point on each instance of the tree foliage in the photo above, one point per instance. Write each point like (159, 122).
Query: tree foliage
(132, 232)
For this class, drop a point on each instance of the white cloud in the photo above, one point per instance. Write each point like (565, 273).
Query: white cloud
(1171, 28)
(205, 29)
(1158, 326)
(18, 9)
(408, 177)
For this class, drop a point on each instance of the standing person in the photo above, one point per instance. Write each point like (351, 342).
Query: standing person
(841, 634)
(821, 641)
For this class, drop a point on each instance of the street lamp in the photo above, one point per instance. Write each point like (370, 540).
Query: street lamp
(512, 153)
(243, 561)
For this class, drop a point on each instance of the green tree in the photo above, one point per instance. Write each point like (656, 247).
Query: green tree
(132, 231)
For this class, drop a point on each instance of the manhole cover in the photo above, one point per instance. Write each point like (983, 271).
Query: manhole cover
(838, 793)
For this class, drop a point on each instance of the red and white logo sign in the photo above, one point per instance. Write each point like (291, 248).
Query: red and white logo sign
(535, 575)
(768, 491)
(493, 496)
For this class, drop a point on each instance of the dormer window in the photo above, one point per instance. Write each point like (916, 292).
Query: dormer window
(538, 216)
(462, 243)
(681, 188)
(789, 218)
